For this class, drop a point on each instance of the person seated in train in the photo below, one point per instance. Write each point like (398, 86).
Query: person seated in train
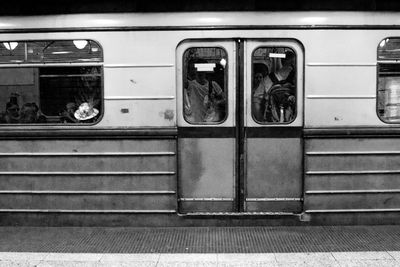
(12, 113)
(30, 114)
(67, 115)
(205, 98)
(40, 118)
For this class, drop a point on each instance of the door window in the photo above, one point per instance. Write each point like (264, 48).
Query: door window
(274, 85)
(205, 85)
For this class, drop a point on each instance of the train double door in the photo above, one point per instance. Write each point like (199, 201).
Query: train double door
(240, 106)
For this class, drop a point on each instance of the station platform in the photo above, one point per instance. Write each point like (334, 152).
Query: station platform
(368, 245)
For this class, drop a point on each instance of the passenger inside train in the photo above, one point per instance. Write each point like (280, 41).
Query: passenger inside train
(204, 98)
(274, 99)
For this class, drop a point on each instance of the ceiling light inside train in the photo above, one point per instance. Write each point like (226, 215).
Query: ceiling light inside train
(10, 45)
(80, 44)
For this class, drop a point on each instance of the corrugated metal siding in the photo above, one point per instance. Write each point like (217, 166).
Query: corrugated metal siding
(352, 175)
(87, 176)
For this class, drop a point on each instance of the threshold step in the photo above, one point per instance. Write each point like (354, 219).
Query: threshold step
(253, 213)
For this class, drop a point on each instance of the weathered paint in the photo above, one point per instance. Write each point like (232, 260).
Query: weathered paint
(206, 170)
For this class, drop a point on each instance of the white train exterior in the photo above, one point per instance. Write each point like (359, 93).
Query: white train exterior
(142, 162)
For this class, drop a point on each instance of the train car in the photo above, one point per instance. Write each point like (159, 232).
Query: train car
(200, 118)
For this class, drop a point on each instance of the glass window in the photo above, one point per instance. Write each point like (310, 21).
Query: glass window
(12, 52)
(274, 85)
(389, 49)
(388, 99)
(64, 51)
(61, 93)
(205, 79)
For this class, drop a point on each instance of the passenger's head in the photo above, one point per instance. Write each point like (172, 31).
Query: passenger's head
(28, 113)
(70, 107)
(13, 109)
(35, 107)
(258, 77)
(201, 77)
(289, 59)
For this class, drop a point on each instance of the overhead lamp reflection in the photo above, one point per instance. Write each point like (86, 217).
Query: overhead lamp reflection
(61, 52)
(10, 45)
(223, 62)
(80, 44)
(313, 20)
(383, 43)
(209, 20)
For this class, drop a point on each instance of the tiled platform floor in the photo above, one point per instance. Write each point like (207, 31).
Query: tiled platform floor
(201, 246)
(381, 259)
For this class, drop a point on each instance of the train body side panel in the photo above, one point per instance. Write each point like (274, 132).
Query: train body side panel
(140, 86)
(86, 176)
(352, 175)
(138, 175)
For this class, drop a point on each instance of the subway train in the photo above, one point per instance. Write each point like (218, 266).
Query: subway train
(200, 118)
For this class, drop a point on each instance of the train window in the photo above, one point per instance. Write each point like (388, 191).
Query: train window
(36, 92)
(62, 51)
(205, 79)
(389, 49)
(12, 52)
(388, 99)
(274, 85)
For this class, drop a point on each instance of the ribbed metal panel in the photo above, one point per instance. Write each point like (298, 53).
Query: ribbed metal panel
(74, 181)
(352, 175)
(90, 202)
(87, 164)
(88, 176)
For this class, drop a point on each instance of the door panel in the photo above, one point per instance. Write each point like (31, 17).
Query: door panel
(274, 152)
(274, 176)
(207, 147)
(209, 182)
(244, 163)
